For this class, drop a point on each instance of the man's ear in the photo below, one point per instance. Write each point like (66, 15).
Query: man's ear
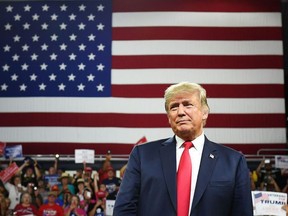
(205, 114)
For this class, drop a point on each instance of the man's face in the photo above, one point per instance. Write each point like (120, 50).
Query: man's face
(51, 199)
(29, 171)
(65, 180)
(110, 173)
(52, 171)
(186, 115)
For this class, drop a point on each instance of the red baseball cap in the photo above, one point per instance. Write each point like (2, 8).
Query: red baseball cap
(100, 194)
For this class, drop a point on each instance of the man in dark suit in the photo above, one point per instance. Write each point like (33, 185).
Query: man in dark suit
(219, 185)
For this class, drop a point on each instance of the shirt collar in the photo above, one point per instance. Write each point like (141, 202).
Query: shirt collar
(198, 142)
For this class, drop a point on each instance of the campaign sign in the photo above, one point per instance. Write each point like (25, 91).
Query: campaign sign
(6, 175)
(281, 161)
(13, 151)
(269, 203)
(51, 180)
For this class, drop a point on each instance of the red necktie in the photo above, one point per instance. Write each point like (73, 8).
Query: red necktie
(184, 181)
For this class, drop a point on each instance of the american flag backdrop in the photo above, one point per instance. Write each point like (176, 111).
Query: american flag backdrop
(92, 74)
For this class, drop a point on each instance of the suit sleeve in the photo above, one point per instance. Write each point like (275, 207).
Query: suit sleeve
(127, 198)
(242, 204)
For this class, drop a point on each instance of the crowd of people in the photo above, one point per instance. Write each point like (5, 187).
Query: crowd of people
(268, 178)
(34, 191)
(54, 192)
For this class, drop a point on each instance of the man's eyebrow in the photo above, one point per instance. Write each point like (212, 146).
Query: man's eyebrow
(173, 104)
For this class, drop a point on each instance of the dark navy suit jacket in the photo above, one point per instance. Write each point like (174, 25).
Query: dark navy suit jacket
(149, 184)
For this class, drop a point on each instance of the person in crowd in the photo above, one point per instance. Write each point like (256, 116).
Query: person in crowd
(65, 185)
(268, 176)
(14, 188)
(266, 169)
(101, 191)
(285, 188)
(112, 183)
(25, 207)
(3, 189)
(284, 179)
(89, 200)
(285, 208)
(73, 208)
(103, 170)
(52, 170)
(3, 205)
(37, 199)
(80, 193)
(31, 172)
(67, 198)
(51, 208)
(253, 186)
(207, 179)
(99, 207)
(78, 175)
(89, 197)
(87, 176)
(42, 189)
(51, 176)
(269, 184)
(58, 201)
(9, 211)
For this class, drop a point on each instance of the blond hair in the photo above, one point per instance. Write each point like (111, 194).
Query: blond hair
(175, 89)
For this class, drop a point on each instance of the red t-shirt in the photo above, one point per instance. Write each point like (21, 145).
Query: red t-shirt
(51, 210)
(23, 210)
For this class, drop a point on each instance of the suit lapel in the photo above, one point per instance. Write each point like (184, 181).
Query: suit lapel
(208, 161)
(168, 160)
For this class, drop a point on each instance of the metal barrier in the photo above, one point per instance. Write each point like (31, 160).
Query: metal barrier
(51, 157)
(272, 150)
(261, 154)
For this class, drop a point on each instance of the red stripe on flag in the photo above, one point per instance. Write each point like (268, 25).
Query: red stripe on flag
(188, 61)
(135, 120)
(197, 5)
(197, 33)
(213, 90)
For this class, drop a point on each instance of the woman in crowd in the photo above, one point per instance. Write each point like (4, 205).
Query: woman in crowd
(14, 188)
(25, 207)
(80, 193)
(73, 208)
(3, 204)
(103, 172)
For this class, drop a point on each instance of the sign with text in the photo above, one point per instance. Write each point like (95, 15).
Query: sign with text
(6, 175)
(13, 151)
(84, 155)
(51, 180)
(269, 203)
(281, 161)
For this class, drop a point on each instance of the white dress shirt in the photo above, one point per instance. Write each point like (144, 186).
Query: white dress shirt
(195, 154)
